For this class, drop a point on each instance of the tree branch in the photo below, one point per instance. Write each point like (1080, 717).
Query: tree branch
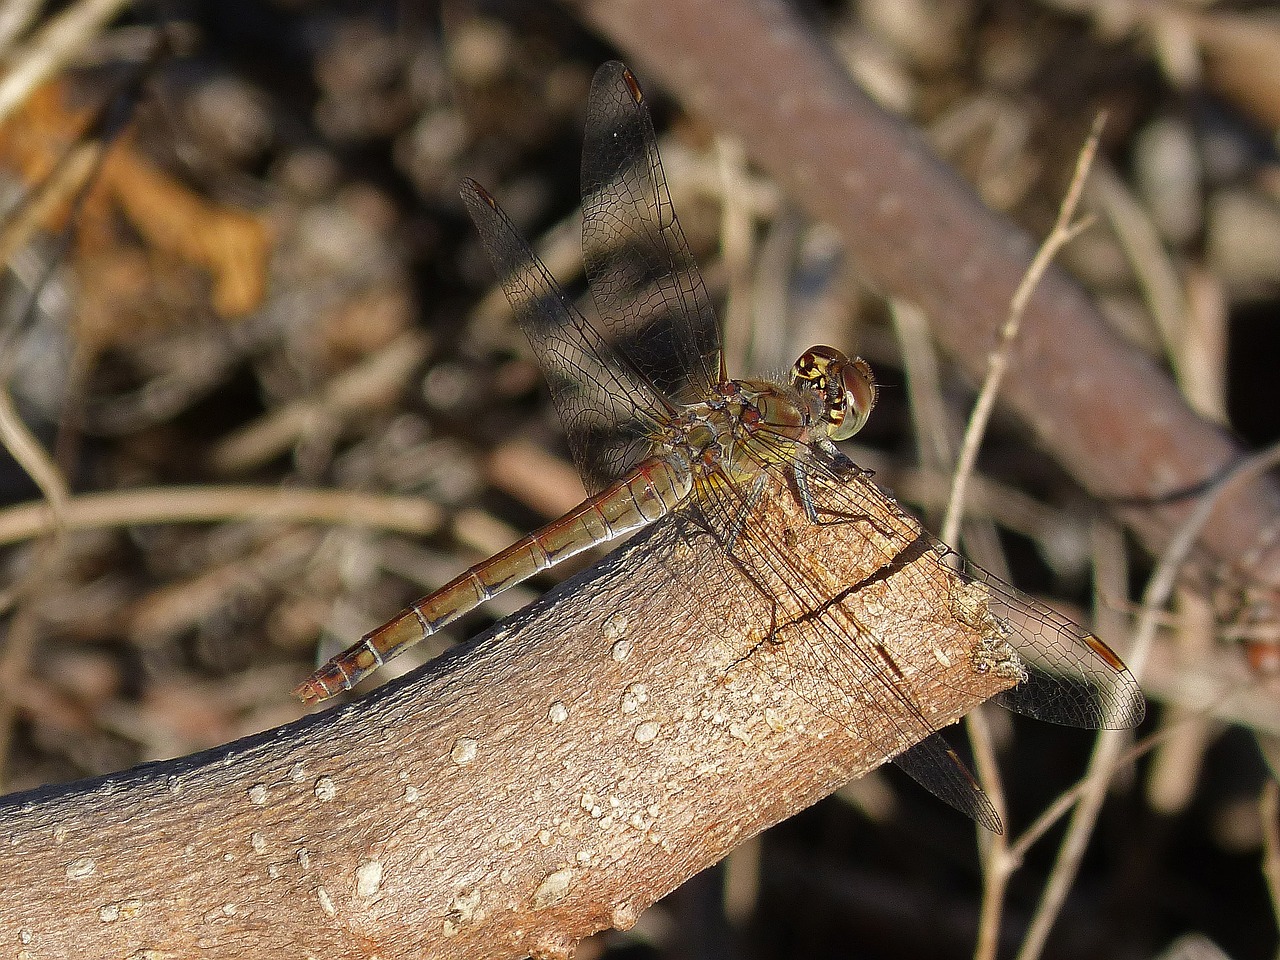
(550, 780)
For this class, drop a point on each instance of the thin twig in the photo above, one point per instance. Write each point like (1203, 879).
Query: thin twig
(1066, 800)
(35, 460)
(996, 862)
(15, 17)
(218, 504)
(1064, 230)
(1269, 813)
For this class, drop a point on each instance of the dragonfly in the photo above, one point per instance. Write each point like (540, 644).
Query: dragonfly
(659, 430)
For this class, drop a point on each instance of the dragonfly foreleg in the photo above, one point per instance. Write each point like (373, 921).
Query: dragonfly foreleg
(821, 516)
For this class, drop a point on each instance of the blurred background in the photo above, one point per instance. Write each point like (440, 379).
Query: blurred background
(279, 395)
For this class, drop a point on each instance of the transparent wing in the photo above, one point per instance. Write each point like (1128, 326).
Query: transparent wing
(1072, 677)
(608, 409)
(811, 637)
(822, 628)
(648, 292)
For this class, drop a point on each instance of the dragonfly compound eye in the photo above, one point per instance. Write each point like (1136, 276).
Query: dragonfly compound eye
(846, 388)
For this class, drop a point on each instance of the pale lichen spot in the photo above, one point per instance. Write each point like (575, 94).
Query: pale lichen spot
(464, 751)
(411, 794)
(79, 869)
(369, 878)
(623, 916)
(273, 872)
(616, 626)
(544, 837)
(584, 856)
(25, 935)
(647, 732)
(465, 906)
(325, 789)
(257, 794)
(634, 697)
(775, 720)
(739, 732)
(109, 912)
(298, 772)
(326, 901)
(304, 858)
(995, 653)
(591, 804)
(257, 841)
(450, 927)
(553, 888)
(228, 909)
(620, 650)
(941, 656)
(60, 834)
(557, 712)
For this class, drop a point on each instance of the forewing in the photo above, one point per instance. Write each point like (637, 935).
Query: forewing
(1066, 675)
(1071, 676)
(648, 292)
(813, 640)
(608, 410)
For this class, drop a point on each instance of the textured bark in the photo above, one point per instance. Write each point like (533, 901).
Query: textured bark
(553, 779)
(756, 70)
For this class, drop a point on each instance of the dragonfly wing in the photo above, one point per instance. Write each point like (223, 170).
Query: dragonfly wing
(811, 639)
(1073, 678)
(647, 289)
(850, 631)
(935, 765)
(607, 408)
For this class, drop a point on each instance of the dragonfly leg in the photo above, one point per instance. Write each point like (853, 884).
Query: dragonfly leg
(771, 635)
(825, 517)
(743, 514)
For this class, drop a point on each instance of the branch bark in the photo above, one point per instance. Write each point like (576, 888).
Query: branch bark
(552, 779)
(756, 70)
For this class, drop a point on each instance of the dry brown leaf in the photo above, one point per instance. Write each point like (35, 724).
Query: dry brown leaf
(180, 228)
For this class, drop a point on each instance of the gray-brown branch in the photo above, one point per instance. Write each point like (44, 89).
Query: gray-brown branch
(555, 779)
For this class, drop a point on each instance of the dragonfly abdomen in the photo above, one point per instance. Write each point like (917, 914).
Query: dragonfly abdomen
(648, 492)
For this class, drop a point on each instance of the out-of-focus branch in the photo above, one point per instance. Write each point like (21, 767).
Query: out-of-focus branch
(550, 781)
(753, 68)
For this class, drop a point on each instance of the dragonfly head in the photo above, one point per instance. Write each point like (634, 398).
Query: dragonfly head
(845, 389)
